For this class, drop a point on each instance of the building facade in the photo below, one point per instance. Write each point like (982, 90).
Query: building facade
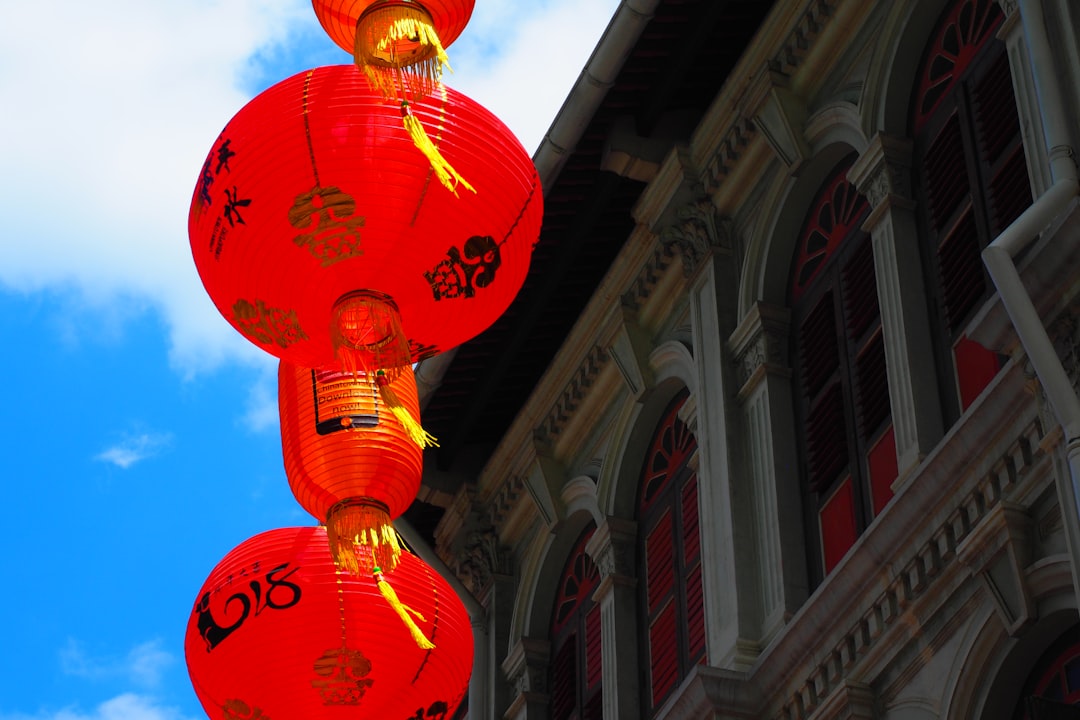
(809, 449)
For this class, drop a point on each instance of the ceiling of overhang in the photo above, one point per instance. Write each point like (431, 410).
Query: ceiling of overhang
(669, 79)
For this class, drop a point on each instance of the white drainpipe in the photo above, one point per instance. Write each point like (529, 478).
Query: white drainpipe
(998, 256)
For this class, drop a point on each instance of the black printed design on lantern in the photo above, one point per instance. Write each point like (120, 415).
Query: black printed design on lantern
(233, 205)
(223, 153)
(344, 672)
(333, 234)
(213, 633)
(438, 710)
(465, 270)
(420, 352)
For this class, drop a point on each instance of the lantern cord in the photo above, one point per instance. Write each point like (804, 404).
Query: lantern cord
(361, 536)
(393, 403)
(404, 611)
(447, 175)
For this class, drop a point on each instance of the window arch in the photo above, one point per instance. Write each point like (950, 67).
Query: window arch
(576, 661)
(846, 441)
(669, 541)
(970, 179)
(1054, 681)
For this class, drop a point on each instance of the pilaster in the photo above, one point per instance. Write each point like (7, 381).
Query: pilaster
(612, 547)
(760, 348)
(1011, 33)
(526, 667)
(730, 578)
(883, 175)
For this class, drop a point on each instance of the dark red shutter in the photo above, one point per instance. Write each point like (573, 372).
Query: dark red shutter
(1000, 147)
(663, 653)
(594, 670)
(564, 680)
(960, 270)
(660, 562)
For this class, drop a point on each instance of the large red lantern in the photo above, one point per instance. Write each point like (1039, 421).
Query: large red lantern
(278, 632)
(316, 224)
(350, 460)
(399, 44)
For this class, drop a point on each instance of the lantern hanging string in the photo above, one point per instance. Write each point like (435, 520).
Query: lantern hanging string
(405, 612)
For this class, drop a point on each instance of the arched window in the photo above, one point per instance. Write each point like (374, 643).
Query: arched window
(970, 181)
(1052, 690)
(576, 669)
(846, 441)
(670, 550)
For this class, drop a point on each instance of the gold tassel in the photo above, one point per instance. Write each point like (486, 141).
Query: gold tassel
(412, 426)
(398, 50)
(361, 536)
(447, 175)
(404, 611)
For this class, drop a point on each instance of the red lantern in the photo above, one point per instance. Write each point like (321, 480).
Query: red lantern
(278, 632)
(350, 460)
(399, 44)
(316, 220)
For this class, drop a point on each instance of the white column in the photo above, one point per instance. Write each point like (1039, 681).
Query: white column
(883, 174)
(760, 345)
(612, 547)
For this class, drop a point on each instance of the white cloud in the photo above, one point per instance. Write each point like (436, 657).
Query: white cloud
(127, 706)
(134, 449)
(142, 666)
(262, 412)
(113, 105)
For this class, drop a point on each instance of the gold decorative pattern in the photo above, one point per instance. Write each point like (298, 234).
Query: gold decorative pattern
(267, 325)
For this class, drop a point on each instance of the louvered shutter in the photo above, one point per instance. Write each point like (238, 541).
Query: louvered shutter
(564, 680)
(695, 599)
(660, 579)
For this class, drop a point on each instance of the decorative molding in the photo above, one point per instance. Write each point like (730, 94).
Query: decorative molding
(782, 65)
(697, 232)
(572, 395)
(998, 550)
(760, 344)
(727, 155)
(1065, 333)
(711, 692)
(469, 544)
(849, 701)
(883, 173)
(629, 349)
(803, 35)
(641, 288)
(506, 497)
(613, 547)
(780, 115)
(526, 666)
(911, 581)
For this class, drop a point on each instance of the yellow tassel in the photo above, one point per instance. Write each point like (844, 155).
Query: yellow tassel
(412, 426)
(399, 51)
(361, 536)
(404, 611)
(447, 175)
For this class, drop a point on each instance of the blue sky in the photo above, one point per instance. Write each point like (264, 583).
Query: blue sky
(140, 439)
